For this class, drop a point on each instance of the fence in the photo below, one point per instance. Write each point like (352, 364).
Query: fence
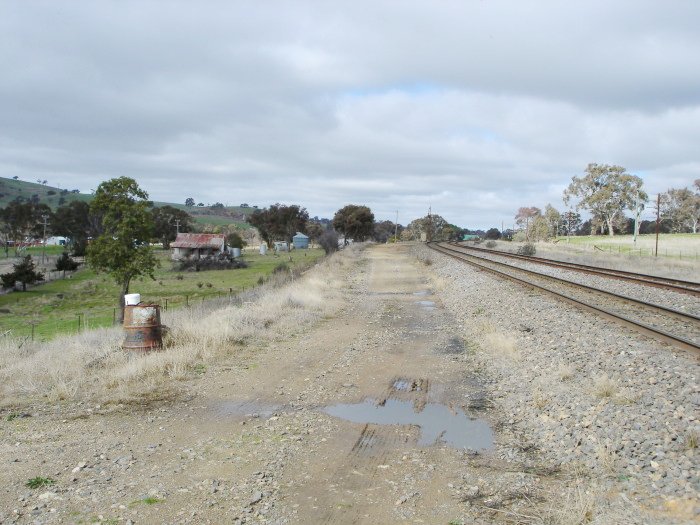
(39, 329)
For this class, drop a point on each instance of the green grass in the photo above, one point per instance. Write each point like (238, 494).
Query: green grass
(90, 300)
(38, 482)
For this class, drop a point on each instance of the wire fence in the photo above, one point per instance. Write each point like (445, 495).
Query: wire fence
(42, 328)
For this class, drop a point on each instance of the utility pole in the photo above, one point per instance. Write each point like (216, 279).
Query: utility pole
(43, 250)
(396, 228)
(658, 213)
(177, 225)
(429, 237)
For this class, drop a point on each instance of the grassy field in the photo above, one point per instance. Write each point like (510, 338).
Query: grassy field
(88, 300)
(676, 245)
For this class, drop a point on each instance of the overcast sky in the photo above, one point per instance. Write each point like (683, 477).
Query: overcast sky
(473, 107)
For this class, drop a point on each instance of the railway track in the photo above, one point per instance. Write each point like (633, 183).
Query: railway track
(671, 326)
(676, 285)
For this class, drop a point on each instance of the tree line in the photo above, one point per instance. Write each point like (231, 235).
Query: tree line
(607, 192)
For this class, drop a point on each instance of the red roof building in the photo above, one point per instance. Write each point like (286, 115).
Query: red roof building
(198, 245)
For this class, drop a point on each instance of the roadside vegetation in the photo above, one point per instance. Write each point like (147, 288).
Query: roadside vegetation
(54, 308)
(92, 366)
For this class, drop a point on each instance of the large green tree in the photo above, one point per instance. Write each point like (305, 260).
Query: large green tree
(167, 222)
(77, 223)
(354, 222)
(122, 250)
(435, 228)
(279, 222)
(606, 191)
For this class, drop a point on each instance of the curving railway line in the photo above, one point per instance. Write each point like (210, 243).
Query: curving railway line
(681, 329)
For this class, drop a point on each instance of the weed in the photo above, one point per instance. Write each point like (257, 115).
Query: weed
(490, 244)
(200, 368)
(565, 372)
(200, 284)
(604, 387)
(179, 277)
(479, 311)
(38, 482)
(261, 280)
(209, 285)
(12, 416)
(539, 399)
(691, 439)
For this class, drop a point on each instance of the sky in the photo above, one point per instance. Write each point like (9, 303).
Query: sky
(473, 108)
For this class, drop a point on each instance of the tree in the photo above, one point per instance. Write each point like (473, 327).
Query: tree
(77, 223)
(493, 234)
(354, 222)
(122, 250)
(525, 216)
(24, 272)
(681, 208)
(234, 240)
(65, 264)
(279, 222)
(435, 228)
(314, 230)
(553, 219)
(385, 230)
(570, 222)
(189, 201)
(606, 191)
(22, 220)
(167, 221)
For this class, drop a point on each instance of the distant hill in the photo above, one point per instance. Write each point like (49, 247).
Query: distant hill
(11, 189)
(217, 215)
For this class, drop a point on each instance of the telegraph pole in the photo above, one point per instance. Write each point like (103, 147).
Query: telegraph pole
(430, 223)
(396, 228)
(177, 225)
(43, 250)
(658, 213)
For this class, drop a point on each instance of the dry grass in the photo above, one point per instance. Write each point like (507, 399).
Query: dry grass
(604, 386)
(92, 366)
(502, 348)
(565, 372)
(691, 439)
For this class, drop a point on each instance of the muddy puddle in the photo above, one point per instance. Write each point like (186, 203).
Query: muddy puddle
(438, 423)
(426, 305)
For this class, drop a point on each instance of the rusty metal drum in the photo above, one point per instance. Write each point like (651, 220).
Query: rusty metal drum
(142, 329)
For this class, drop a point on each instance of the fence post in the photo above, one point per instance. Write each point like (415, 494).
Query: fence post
(79, 316)
(166, 304)
(187, 300)
(33, 332)
(114, 316)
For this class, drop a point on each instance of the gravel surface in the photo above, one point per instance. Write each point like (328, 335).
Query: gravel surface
(587, 391)
(678, 301)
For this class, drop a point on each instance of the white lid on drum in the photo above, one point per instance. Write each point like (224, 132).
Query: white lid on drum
(132, 299)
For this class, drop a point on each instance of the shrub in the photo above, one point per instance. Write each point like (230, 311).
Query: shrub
(527, 249)
(490, 244)
(66, 264)
(282, 267)
(329, 241)
(221, 262)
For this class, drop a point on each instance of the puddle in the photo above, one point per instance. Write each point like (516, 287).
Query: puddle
(246, 409)
(437, 422)
(408, 385)
(422, 293)
(426, 305)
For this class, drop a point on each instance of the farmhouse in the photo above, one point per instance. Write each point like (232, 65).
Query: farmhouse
(197, 245)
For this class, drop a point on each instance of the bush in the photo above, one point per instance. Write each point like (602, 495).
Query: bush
(527, 249)
(490, 244)
(66, 264)
(329, 241)
(221, 262)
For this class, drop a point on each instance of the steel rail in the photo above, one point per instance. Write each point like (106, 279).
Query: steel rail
(648, 330)
(678, 285)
